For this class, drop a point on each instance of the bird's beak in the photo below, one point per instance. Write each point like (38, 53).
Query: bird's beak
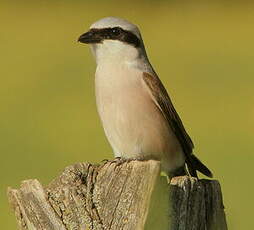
(89, 37)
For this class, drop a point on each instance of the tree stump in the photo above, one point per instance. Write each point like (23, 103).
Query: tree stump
(113, 196)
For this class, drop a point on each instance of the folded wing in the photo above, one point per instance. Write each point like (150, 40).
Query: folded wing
(162, 100)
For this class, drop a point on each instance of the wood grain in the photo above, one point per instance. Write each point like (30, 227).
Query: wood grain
(118, 195)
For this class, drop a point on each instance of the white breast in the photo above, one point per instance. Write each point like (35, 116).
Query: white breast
(132, 122)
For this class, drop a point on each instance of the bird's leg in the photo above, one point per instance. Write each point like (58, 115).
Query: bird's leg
(120, 160)
(117, 160)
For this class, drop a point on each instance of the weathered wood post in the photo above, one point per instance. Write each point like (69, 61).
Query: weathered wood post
(112, 196)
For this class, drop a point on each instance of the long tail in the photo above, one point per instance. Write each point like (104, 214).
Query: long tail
(194, 165)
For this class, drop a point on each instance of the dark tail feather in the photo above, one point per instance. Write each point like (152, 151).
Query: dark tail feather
(194, 164)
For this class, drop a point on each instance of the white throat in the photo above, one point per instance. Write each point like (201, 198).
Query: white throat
(113, 53)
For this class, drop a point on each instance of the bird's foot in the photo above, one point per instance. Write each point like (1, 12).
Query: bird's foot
(118, 161)
(115, 160)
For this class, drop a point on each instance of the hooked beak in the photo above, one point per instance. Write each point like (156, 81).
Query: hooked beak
(89, 37)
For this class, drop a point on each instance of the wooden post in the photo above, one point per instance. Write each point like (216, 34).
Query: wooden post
(113, 196)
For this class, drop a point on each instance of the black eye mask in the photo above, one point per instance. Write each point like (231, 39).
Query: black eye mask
(115, 33)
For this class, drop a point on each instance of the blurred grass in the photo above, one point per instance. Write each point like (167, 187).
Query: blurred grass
(203, 53)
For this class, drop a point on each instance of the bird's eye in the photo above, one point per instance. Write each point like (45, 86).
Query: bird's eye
(116, 30)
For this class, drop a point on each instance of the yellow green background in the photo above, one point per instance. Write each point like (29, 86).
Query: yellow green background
(202, 50)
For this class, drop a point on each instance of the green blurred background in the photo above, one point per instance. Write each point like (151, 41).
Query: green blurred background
(202, 50)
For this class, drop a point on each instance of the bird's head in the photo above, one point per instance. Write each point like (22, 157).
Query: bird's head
(113, 38)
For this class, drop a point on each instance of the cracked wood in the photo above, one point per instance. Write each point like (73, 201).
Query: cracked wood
(113, 196)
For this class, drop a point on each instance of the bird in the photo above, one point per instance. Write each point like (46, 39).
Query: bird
(137, 114)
